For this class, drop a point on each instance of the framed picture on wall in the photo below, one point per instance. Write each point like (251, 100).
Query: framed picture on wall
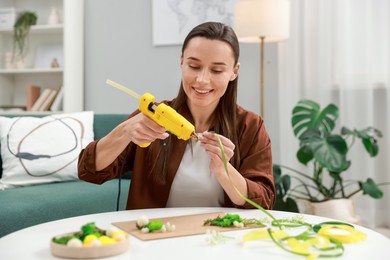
(173, 19)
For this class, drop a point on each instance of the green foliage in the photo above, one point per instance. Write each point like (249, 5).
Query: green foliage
(87, 229)
(229, 219)
(91, 229)
(283, 185)
(225, 221)
(21, 30)
(64, 239)
(154, 225)
(326, 154)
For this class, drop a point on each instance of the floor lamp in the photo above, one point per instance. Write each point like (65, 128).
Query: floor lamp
(262, 21)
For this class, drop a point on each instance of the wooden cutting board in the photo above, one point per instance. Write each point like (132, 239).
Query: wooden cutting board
(185, 226)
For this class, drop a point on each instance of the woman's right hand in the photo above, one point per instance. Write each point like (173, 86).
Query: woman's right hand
(138, 129)
(141, 129)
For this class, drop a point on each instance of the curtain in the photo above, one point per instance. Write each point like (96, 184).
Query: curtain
(339, 52)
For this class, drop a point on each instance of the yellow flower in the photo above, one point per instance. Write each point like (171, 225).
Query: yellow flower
(106, 240)
(88, 239)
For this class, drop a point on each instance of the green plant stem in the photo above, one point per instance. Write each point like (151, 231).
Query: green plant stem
(342, 189)
(352, 194)
(338, 248)
(238, 192)
(353, 182)
(297, 172)
(352, 142)
(295, 193)
(319, 180)
(333, 187)
(305, 186)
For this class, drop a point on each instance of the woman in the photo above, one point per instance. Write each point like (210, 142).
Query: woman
(172, 172)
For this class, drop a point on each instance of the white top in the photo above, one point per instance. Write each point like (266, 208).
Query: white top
(194, 185)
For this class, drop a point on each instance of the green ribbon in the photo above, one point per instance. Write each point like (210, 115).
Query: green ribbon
(309, 236)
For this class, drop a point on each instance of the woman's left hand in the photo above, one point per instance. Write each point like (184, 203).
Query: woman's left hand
(210, 142)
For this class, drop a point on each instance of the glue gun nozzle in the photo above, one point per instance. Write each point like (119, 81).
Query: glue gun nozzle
(194, 135)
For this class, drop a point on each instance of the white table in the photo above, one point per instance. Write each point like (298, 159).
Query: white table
(33, 242)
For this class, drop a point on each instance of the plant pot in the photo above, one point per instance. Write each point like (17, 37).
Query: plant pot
(339, 209)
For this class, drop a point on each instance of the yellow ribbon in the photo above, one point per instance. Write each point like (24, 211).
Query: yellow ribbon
(343, 233)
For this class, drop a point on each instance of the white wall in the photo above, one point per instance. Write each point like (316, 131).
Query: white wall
(118, 46)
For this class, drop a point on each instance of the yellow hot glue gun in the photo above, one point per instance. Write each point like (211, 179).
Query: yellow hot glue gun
(162, 114)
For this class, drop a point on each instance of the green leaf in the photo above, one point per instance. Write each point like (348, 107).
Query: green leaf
(330, 152)
(371, 147)
(304, 155)
(277, 172)
(346, 131)
(307, 115)
(63, 240)
(369, 138)
(371, 188)
(336, 176)
(370, 132)
(286, 205)
(88, 228)
(286, 183)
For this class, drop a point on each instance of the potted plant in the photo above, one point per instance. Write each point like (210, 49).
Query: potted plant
(22, 26)
(325, 154)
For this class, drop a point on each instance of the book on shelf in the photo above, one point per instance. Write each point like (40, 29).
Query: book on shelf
(47, 102)
(52, 98)
(57, 102)
(32, 94)
(42, 98)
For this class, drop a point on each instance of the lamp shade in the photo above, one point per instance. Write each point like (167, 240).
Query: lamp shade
(262, 18)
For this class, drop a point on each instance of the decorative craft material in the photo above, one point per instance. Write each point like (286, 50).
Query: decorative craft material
(147, 226)
(322, 240)
(184, 226)
(232, 220)
(215, 237)
(90, 242)
(90, 235)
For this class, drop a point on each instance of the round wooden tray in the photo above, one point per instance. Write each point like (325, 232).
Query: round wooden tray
(88, 251)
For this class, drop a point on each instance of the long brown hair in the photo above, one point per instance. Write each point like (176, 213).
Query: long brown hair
(225, 115)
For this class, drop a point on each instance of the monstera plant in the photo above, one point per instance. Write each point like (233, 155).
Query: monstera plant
(325, 154)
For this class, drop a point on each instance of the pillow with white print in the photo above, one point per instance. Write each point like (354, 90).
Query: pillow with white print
(42, 150)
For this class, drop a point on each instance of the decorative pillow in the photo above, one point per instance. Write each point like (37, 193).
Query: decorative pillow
(42, 150)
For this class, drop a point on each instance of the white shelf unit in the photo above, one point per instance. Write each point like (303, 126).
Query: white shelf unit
(66, 37)
(30, 70)
(36, 29)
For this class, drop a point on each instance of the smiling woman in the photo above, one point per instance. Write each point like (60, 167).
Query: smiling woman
(205, 72)
(192, 173)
